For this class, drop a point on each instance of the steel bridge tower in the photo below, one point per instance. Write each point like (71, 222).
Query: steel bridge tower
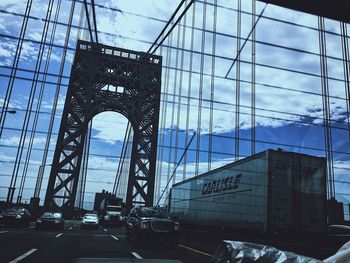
(105, 78)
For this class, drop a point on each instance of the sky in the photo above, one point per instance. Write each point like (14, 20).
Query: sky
(288, 87)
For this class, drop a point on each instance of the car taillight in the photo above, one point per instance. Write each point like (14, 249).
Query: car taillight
(144, 225)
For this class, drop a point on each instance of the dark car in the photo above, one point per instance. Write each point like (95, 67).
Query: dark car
(50, 220)
(16, 216)
(152, 224)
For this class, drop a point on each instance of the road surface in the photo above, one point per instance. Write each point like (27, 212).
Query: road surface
(73, 243)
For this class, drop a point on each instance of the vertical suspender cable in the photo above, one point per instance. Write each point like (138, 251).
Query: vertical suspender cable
(190, 68)
(14, 67)
(165, 104)
(58, 87)
(88, 20)
(41, 93)
(12, 186)
(180, 88)
(212, 87)
(326, 107)
(200, 92)
(253, 76)
(346, 65)
(238, 81)
(176, 72)
(86, 164)
(30, 103)
(85, 161)
(159, 149)
(94, 19)
(122, 158)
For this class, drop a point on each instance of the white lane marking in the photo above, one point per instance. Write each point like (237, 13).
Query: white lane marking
(195, 250)
(70, 228)
(24, 255)
(59, 235)
(114, 237)
(1, 232)
(136, 255)
(32, 227)
(105, 229)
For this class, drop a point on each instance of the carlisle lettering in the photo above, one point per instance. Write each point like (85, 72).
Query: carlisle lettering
(221, 185)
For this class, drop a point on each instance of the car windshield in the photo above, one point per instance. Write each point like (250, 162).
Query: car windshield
(114, 208)
(51, 215)
(153, 212)
(15, 210)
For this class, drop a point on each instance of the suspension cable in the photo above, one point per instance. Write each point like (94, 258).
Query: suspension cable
(12, 186)
(200, 91)
(212, 86)
(245, 41)
(88, 20)
(94, 19)
(190, 71)
(11, 81)
(238, 80)
(155, 45)
(178, 163)
(31, 98)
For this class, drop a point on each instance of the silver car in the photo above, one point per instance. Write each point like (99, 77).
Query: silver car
(89, 221)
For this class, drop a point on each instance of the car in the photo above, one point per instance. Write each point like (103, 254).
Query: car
(89, 221)
(338, 230)
(152, 224)
(16, 216)
(50, 220)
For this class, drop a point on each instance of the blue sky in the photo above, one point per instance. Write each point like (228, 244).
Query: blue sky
(288, 102)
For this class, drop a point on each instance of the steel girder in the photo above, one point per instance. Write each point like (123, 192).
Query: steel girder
(105, 78)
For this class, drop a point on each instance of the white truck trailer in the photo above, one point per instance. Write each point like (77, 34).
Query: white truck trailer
(272, 191)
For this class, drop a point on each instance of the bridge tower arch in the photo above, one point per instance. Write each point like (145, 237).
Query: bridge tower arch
(105, 78)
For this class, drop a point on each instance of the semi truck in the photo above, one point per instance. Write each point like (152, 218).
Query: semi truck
(273, 191)
(111, 210)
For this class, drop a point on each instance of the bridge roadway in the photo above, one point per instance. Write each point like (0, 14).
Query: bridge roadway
(72, 243)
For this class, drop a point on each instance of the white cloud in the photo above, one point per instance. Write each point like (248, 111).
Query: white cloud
(14, 140)
(110, 127)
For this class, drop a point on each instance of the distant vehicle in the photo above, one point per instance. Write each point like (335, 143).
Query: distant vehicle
(50, 220)
(15, 216)
(113, 216)
(109, 203)
(152, 224)
(273, 191)
(89, 221)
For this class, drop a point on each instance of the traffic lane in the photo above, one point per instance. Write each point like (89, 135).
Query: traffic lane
(16, 241)
(73, 243)
(161, 250)
(82, 243)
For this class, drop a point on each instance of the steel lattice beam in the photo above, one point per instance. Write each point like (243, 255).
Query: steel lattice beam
(102, 79)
